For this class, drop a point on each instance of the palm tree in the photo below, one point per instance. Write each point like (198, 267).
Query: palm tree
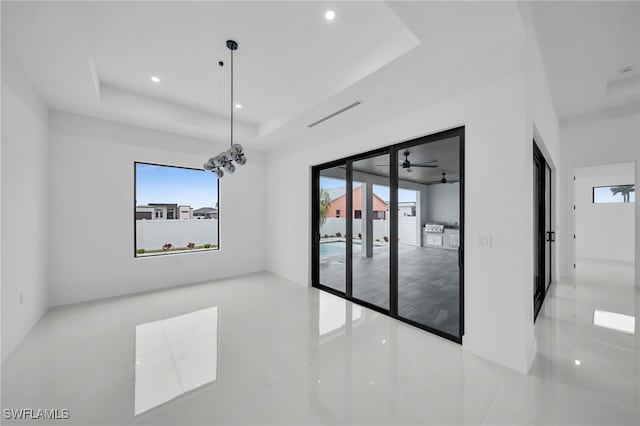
(325, 205)
(625, 190)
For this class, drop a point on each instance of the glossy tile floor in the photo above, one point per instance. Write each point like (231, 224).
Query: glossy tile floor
(293, 355)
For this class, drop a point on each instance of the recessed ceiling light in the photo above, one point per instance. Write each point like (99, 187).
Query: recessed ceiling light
(577, 362)
(239, 106)
(329, 15)
(155, 79)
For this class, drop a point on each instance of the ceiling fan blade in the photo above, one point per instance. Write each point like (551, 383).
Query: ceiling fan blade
(425, 162)
(424, 165)
(439, 182)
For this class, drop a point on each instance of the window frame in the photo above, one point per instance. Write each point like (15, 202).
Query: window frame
(135, 198)
(593, 193)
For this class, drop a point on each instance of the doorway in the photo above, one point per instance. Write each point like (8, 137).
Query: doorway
(543, 233)
(388, 231)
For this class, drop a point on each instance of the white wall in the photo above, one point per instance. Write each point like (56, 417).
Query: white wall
(496, 312)
(443, 203)
(604, 231)
(637, 246)
(541, 126)
(588, 143)
(408, 231)
(92, 165)
(24, 208)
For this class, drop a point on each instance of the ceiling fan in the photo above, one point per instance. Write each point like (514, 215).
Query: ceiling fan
(407, 165)
(445, 180)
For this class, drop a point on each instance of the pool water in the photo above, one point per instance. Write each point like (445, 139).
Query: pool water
(330, 248)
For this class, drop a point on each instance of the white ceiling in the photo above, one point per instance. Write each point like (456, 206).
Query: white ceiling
(292, 68)
(182, 42)
(584, 46)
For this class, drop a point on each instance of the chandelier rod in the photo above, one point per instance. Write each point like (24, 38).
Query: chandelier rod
(231, 95)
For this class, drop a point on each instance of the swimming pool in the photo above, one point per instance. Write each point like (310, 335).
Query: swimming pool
(329, 248)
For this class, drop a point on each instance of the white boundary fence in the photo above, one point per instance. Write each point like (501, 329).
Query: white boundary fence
(407, 231)
(153, 234)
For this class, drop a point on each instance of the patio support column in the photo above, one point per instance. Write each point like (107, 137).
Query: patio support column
(419, 218)
(423, 216)
(367, 218)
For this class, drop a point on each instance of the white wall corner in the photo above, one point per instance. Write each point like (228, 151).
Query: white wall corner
(531, 354)
(25, 290)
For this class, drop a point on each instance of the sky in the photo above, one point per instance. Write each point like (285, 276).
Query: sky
(603, 195)
(164, 184)
(381, 191)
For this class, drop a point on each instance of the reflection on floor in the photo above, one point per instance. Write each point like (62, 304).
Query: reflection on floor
(292, 355)
(576, 350)
(428, 283)
(175, 356)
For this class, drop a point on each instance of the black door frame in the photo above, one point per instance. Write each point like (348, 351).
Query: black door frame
(544, 236)
(347, 162)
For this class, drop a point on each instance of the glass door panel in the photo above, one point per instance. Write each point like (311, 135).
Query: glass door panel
(332, 218)
(543, 234)
(550, 235)
(429, 235)
(371, 230)
(538, 232)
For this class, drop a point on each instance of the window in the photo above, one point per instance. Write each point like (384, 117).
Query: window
(378, 214)
(614, 194)
(337, 212)
(161, 193)
(357, 214)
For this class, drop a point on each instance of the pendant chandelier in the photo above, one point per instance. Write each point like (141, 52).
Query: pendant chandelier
(223, 162)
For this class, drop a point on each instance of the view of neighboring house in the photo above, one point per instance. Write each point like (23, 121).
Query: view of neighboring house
(338, 204)
(406, 208)
(185, 212)
(205, 213)
(163, 211)
(144, 212)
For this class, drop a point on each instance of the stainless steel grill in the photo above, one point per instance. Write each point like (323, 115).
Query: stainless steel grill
(434, 228)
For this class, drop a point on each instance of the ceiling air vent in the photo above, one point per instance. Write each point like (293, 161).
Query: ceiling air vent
(340, 111)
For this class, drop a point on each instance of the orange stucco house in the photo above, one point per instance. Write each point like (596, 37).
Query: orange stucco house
(338, 206)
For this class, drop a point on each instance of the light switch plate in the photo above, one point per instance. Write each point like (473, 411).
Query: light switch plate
(484, 240)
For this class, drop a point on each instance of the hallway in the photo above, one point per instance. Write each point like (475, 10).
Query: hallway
(609, 360)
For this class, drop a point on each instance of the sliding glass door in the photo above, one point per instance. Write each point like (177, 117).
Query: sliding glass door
(370, 261)
(331, 196)
(429, 227)
(388, 229)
